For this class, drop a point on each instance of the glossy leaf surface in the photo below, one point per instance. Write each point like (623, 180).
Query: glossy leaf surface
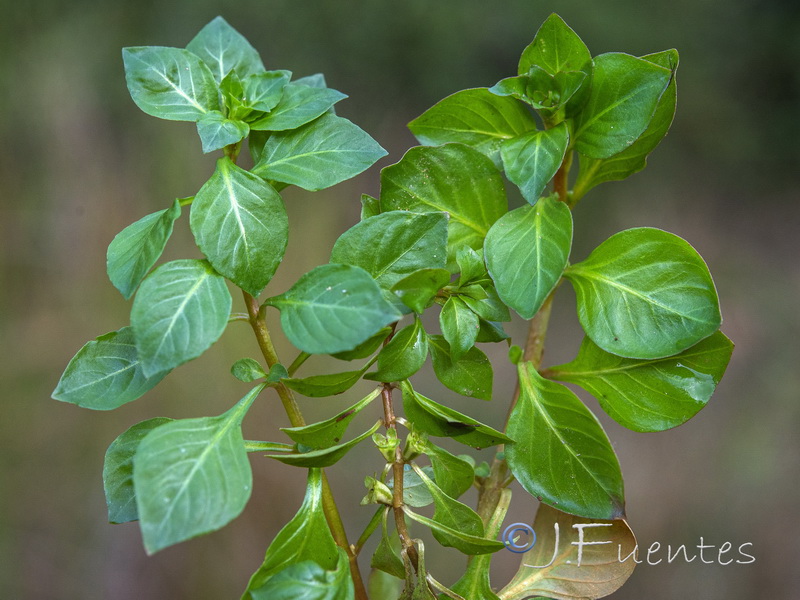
(418, 289)
(555, 48)
(247, 370)
(645, 293)
(453, 474)
(650, 395)
(470, 375)
(224, 49)
(181, 309)
(527, 251)
(403, 356)
(134, 251)
(532, 160)
(459, 327)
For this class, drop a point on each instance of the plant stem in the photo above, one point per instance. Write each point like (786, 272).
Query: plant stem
(259, 324)
(560, 180)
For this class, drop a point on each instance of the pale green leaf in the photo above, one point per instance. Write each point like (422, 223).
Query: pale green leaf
(307, 580)
(263, 91)
(324, 457)
(247, 370)
(299, 104)
(224, 50)
(217, 131)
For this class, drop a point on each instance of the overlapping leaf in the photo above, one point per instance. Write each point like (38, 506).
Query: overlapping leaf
(531, 160)
(224, 49)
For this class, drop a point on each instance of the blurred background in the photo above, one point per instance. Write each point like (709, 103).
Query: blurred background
(79, 162)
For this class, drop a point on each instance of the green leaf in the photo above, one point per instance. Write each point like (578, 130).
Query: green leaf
(645, 293)
(491, 332)
(322, 386)
(305, 537)
(470, 375)
(527, 251)
(455, 536)
(385, 557)
(438, 420)
(324, 457)
(317, 80)
(634, 158)
(192, 476)
(134, 251)
(224, 50)
(118, 471)
(169, 83)
(490, 308)
(650, 395)
(453, 474)
(418, 289)
(309, 581)
(370, 207)
(319, 154)
(181, 309)
(560, 454)
(403, 356)
(415, 492)
(263, 91)
(299, 104)
(330, 431)
(106, 373)
(471, 266)
(624, 94)
(452, 178)
(392, 245)
(216, 131)
(555, 48)
(459, 327)
(532, 160)
(247, 370)
(333, 308)
(382, 585)
(367, 348)
(475, 117)
(253, 446)
(240, 224)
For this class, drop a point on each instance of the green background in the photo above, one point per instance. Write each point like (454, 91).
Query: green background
(79, 161)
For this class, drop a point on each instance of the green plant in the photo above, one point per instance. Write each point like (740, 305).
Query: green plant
(440, 234)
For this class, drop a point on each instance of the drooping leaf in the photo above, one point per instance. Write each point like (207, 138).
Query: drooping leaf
(240, 224)
(169, 83)
(192, 476)
(403, 356)
(106, 373)
(455, 535)
(555, 48)
(324, 457)
(558, 566)
(263, 91)
(224, 49)
(305, 537)
(333, 308)
(118, 471)
(453, 178)
(181, 309)
(418, 289)
(217, 131)
(459, 327)
(247, 370)
(394, 244)
(645, 293)
(531, 160)
(386, 558)
(309, 581)
(470, 375)
(319, 154)
(330, 431)
(650, 395)
(441, 421)
(134, 251)
(527, 251)
(560, 453)
(322, 386)
(624, 94)
(299, 104)
(475, 117)
(453, 474)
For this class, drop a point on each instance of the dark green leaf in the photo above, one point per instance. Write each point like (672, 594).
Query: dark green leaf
(555, 48)
(333, 308)
(392, 245)
(456, 537)
(453, 474)
(300, 104)
(645, 293)
(255, 143)
(106, 373)
(305, 537)
(471, 266)
(385, 557)
(475, 117)
(330, 431)
(181, 309)
(532, 160)
(491, 332)
(624, 94)
(240, 224)
(418, 289)
(118, 471)
(527, 251)
(322, 386)
(306, 580)
(453, 178)
(370, 207)
(403, 356)
(216, 131)
(365, 349)
(224, 50)
(491, 308)
(439, 420)
(169, 83)
(459, 327)
(324, 457)
(470, 375)
(650, 395)
(134, 251)
(247, 370)
(560, 453)
(319, 154)
(263, 91)
(192, 476)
